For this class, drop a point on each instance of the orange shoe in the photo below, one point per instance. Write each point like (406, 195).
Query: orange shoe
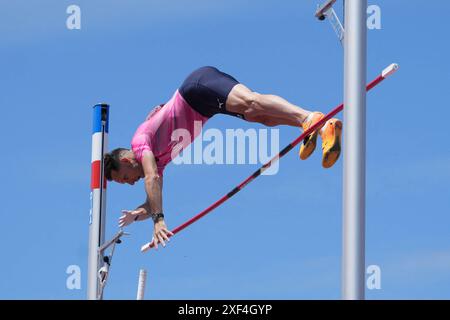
(309, 143)
(331, 142)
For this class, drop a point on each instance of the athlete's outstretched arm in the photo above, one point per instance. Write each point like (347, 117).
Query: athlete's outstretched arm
(144, 210)
(153, 182)
(138, 214)
(141, 213)
(153, 188)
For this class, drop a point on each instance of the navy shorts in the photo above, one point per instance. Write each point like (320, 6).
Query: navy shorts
(206, 90)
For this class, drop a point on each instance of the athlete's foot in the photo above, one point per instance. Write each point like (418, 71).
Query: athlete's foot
(309, 143)
(331, 142)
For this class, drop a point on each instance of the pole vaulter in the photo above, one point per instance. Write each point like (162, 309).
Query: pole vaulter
(384, 74)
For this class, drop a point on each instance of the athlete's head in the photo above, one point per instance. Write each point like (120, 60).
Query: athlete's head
(121, 166)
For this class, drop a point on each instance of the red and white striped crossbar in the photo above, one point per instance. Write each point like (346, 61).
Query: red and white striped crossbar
(386, 72)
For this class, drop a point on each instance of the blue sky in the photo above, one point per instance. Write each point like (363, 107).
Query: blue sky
(280, 238)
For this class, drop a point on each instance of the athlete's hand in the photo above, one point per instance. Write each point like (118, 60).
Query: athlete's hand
(129, 216)
(160, 234)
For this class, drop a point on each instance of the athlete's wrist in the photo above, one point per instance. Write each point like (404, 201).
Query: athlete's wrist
(157, 217)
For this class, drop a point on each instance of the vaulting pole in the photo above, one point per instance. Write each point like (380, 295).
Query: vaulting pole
(354, 151)
(97, 214)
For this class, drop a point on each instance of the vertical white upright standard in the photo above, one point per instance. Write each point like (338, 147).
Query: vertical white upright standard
(141, 284)
(97, 214)
(355, 46)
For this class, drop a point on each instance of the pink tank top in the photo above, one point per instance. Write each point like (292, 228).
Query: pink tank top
(157, 132)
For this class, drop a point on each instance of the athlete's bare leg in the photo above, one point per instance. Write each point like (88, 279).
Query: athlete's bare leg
(267, 109)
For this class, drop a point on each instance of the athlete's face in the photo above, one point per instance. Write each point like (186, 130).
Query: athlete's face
(129, 172)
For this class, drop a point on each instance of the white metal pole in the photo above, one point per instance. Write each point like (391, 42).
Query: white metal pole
(353, 260)
(98, 198)
(141, 284)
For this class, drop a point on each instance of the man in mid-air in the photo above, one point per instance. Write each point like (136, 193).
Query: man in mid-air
(203, 94)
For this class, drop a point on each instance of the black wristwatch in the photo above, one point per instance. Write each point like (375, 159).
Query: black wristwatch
(157, 217)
